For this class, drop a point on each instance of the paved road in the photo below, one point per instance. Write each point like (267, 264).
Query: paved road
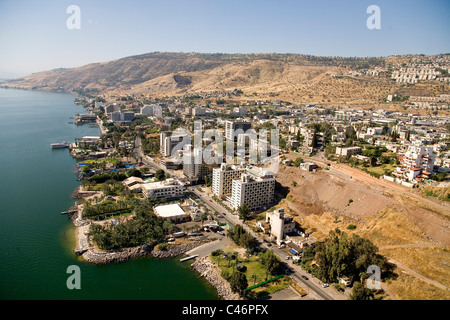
(140, 154)
(313, 284)
(207, 248)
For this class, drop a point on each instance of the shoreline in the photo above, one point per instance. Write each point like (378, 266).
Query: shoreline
(211, 273)
(204, 267)
(84, 249)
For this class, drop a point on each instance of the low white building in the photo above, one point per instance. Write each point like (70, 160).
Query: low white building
(171, 211)
(375, 131)
(133, 183)
(351, 151)
(169, 188)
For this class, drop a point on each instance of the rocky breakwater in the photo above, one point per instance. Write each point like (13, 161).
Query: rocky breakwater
(79, 193)
(120, 255)
(207, 269)
(174, 250)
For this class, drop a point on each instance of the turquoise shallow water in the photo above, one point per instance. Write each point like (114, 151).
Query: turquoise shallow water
(36, 241)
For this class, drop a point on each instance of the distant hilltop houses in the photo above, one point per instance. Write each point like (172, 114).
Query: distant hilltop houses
(433, 68)
(379, 141)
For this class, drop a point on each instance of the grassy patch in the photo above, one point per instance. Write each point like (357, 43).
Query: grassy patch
(381, 169)
(407, 287)
(273, 286)
(254, 272)
(254, 267)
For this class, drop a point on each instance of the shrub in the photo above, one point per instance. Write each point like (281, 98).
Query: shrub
(163, 246)
(217, 252)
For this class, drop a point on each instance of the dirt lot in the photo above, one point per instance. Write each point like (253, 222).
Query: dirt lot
(416, 234)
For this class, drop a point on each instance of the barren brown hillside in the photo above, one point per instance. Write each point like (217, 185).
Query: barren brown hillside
(259, 76)
(296, 78)
(414, 236)
(320, 192)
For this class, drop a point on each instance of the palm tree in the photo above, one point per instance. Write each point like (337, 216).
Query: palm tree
(202, 218)
(362, 276)
(253, 277)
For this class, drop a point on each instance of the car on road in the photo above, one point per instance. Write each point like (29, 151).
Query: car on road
(210, 200)
(305, 277)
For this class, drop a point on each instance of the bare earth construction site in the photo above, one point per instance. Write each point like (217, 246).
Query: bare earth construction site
(411, 231)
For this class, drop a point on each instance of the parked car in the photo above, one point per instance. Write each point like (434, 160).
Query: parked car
(305, 277)
(325, 285)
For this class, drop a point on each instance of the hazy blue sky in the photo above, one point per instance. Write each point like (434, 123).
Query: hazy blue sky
(34, 36)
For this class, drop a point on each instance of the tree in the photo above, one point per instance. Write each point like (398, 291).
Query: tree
(341, 255)
(238, 283)
(247, 241)
(270, 261)
(373, 161)
(314, 141)
(160, 174)
(360, 292)
(134, 173)
(244, 212)
(242, 237)
(202, 218)
(254, 277)
(349, 142)
(298, 161)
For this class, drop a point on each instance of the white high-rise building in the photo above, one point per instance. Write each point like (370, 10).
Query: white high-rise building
(169, 140)
(233, 128)
(194, 166)
(152, 110)
(222, 181)
(255, 191)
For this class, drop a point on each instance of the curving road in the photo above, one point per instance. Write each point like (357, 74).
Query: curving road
(314, 285)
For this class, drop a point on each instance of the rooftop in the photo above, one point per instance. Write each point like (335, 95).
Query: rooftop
(169, 210)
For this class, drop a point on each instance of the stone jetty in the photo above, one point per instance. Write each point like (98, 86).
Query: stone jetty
(114, 256)
(208, 270)
(177, 249)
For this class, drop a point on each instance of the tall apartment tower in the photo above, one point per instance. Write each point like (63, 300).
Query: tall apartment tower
(255, 191)
(169, 140)
(194, 166)
(222, 180)
(232, 126)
